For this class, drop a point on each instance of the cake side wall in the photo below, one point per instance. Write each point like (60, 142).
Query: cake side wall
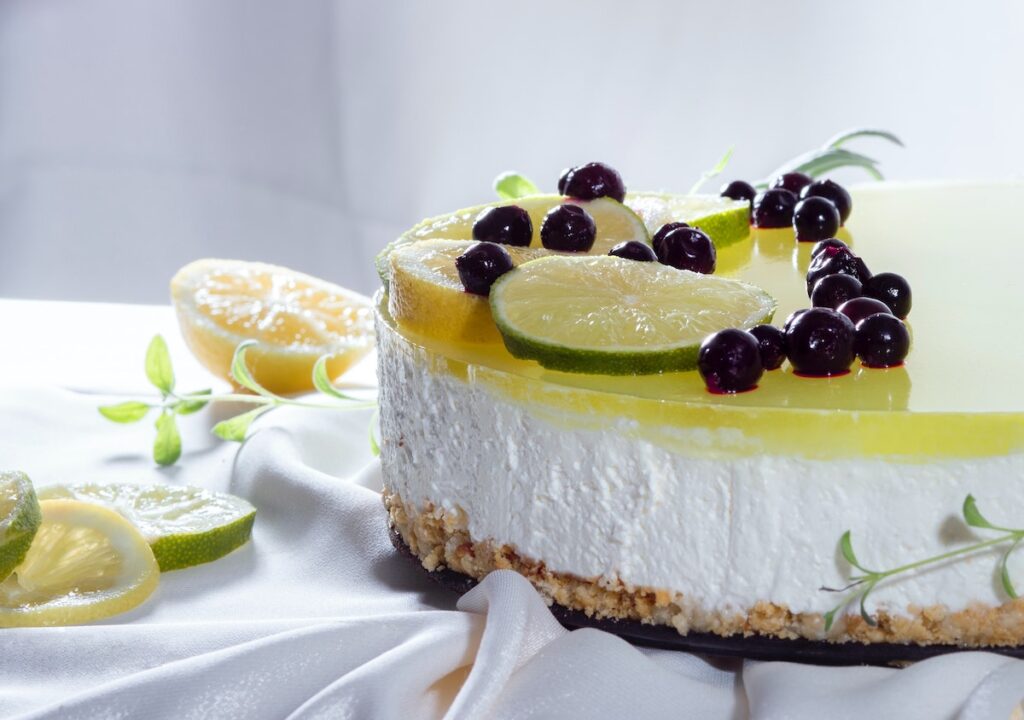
(725, 534)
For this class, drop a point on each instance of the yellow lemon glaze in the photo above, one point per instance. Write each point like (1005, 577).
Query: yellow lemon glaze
(960, 393)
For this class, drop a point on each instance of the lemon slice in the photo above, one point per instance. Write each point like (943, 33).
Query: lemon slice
(185, 526)
(427, 296)
(295, 318)
(725, 221)
(19, 519)
(609, 316)
(614, 221)
(85, 563)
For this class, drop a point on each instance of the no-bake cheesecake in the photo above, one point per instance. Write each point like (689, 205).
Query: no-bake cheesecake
(647, 497)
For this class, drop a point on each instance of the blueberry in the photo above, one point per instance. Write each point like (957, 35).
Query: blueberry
(739, 190)
(824, 245)
(730, 361)
(893, 290)
(772, 344)
(685, 248)
(815, 219)
(774, 208)
(831, 191)
(820, 342)
(792, 318)
(859, 308)
(563, 179)
(836, 261)
(663, 231)
(507, 224)
(634, 250)
(591, 181)
(568, 228)
(882, 341)
(832, 291)
(792, 181)
(481, 265)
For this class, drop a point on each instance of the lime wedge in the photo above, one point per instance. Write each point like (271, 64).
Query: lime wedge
(725, 221)
(86, 563)
(185, 526)
(609, 316)
(19, 519)
(426, 295)
(615, 223)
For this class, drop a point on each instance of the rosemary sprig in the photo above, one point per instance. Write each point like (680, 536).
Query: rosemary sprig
(171, 405)
(832, 156)
(862, 585)
(713, 172)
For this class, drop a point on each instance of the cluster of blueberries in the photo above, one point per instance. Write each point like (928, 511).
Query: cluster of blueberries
(570, 228)
(854, 314)
(816, 209)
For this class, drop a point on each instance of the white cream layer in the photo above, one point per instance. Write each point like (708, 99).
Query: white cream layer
(725, 533)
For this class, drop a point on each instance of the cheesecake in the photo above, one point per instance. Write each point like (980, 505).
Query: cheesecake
(649, 498)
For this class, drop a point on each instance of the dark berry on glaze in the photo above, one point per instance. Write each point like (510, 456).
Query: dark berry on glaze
(481, 265)
(739, 190)
(772, 344)
(820, 343)
(815, 219)
(835, 261)
(792, 181)
(563, 179)
(634, 250)
(568, 228)
(893, 290)
(506, 224)
(687, 248)
(792, 318)
(831, 191)
(730, 361)
(773, 208)
(593, 180)
(863, 307)
(832, 291)
(663, 231)
(882, 341)
(824, 245)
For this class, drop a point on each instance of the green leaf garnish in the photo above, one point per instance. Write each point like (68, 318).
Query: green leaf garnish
(832, 156)
(126, 412)
(234, 429)
(158, 365)
(167, 445)
(848, 135)
(512, 186)
(187, 407)
(713, 172)
(240, 371)
(322, 381)
(1004, 572)
(846, 548)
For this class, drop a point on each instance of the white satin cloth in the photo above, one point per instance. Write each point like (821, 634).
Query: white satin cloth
(319, 616)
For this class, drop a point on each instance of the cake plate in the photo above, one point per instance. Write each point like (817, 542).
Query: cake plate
(751, 648)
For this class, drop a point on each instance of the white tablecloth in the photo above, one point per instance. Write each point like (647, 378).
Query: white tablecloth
(319, 616)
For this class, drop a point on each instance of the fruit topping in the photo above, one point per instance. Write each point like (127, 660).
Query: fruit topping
(634, 250)
(830, 191)
(568, 228)
(481, 265)
(832, 291)
(591, 181)
(791, 318)
(685, 248)
(820, 343)
(882, 341)
(824, 245)
(774, 208)
(730, 361)
(739, 190)
(893, 290)
(815, 219)
(859, 308)
(505, 224)
(772, 343)
(792, 181)
(836, 261)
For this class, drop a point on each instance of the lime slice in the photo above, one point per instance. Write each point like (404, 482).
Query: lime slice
(86, 563)
(615, 223)
(185, 526)
(426, 295)
(725, 221)
(609, 316)
(19, 519)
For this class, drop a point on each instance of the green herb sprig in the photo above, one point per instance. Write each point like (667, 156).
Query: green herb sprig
(832, 156)
(171, 405)
(862, 585)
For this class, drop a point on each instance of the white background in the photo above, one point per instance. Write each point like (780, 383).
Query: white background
(137, 136)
